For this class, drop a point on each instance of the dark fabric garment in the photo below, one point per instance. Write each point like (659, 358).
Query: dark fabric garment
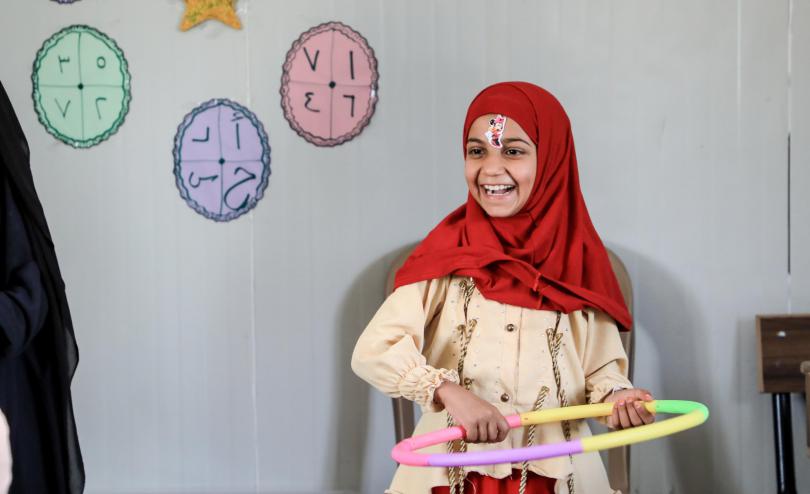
(481, 484)
(38, 353)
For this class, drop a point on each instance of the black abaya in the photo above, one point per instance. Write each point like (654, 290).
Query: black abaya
(38, 353)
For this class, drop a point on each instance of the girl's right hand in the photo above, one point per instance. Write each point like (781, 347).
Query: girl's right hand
(482, 422)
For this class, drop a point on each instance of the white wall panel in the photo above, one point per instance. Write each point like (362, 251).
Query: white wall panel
(205, 346)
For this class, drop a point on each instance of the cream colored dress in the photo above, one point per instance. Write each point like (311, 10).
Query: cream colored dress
(5, 456)
(424, 333)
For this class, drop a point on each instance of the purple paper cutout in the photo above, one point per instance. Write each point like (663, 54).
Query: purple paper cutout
(222, 159)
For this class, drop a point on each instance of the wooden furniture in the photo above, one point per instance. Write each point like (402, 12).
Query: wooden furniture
(805, 368)
(618, 464)
(783, 344)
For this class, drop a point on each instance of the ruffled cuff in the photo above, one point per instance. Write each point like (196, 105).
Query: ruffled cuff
(602, 390)
(419, 384)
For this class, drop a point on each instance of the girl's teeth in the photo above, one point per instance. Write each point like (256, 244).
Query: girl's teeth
(498, 189)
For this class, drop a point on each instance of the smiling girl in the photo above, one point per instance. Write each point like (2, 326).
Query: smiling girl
(508, 305)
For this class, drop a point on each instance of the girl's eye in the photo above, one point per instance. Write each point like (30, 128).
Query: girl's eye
(513, 152)
(475, 152)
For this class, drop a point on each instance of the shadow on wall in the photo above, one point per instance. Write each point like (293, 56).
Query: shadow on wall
(667, 312)
(364, 297)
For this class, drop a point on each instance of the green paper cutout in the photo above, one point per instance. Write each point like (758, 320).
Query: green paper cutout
(81, 86)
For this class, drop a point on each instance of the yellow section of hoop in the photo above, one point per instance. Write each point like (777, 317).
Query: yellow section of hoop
(693, 418)
(643, 433)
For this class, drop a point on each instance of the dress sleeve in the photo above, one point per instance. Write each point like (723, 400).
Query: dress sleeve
(23, 303)
(388, 355)
(602, 355)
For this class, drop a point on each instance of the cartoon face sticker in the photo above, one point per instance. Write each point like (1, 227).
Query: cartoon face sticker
(221, 159)
(495, 131)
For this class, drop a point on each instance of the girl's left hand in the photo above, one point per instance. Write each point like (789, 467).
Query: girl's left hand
(628, 408)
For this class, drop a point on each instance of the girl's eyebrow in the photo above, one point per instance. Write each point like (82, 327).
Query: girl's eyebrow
(475, 139)
(515, 139)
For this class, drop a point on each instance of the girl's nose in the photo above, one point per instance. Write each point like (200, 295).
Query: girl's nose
(492, 165)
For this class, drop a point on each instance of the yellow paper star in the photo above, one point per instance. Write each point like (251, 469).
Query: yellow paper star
(198, 11)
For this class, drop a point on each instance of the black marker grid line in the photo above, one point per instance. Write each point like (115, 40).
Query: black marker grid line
(221, 159)
(331, 80)
(258, 160)
(58, 86)
(81, 81)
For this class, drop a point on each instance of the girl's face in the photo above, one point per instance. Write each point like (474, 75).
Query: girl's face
(500, 179)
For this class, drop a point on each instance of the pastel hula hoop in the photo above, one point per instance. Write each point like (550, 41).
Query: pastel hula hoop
(691, 414)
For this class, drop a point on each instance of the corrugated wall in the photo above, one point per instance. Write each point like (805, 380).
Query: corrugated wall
(215, 356)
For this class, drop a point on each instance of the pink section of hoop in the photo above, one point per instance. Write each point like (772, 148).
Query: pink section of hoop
(404, 452)
(514, 421)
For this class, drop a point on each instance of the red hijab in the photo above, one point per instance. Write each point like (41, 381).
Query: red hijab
(548, 255)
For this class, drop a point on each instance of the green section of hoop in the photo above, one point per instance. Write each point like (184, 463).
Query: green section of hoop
(681, 407)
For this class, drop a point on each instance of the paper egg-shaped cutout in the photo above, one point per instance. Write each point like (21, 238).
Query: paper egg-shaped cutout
(221, 159)
(81, 86)
(329, 84)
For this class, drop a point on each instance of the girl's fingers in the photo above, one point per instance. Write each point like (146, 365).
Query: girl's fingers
(493, 432)
(623, 418)
(482, 432)
(503, 429)
(645, 414)
(472, 434)
(613, 421)
(643, 394)
(632, 413)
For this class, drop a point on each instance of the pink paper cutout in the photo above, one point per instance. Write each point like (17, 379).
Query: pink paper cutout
(329, 84)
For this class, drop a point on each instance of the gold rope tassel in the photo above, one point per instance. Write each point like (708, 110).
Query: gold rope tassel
(453, 472)
(524, 470)
(456, 475)
(554, 344)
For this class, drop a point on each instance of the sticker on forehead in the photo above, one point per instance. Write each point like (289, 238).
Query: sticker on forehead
(495, 132)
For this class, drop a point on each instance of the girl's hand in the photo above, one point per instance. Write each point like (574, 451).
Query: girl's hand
(482, 422)
(628, 408)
